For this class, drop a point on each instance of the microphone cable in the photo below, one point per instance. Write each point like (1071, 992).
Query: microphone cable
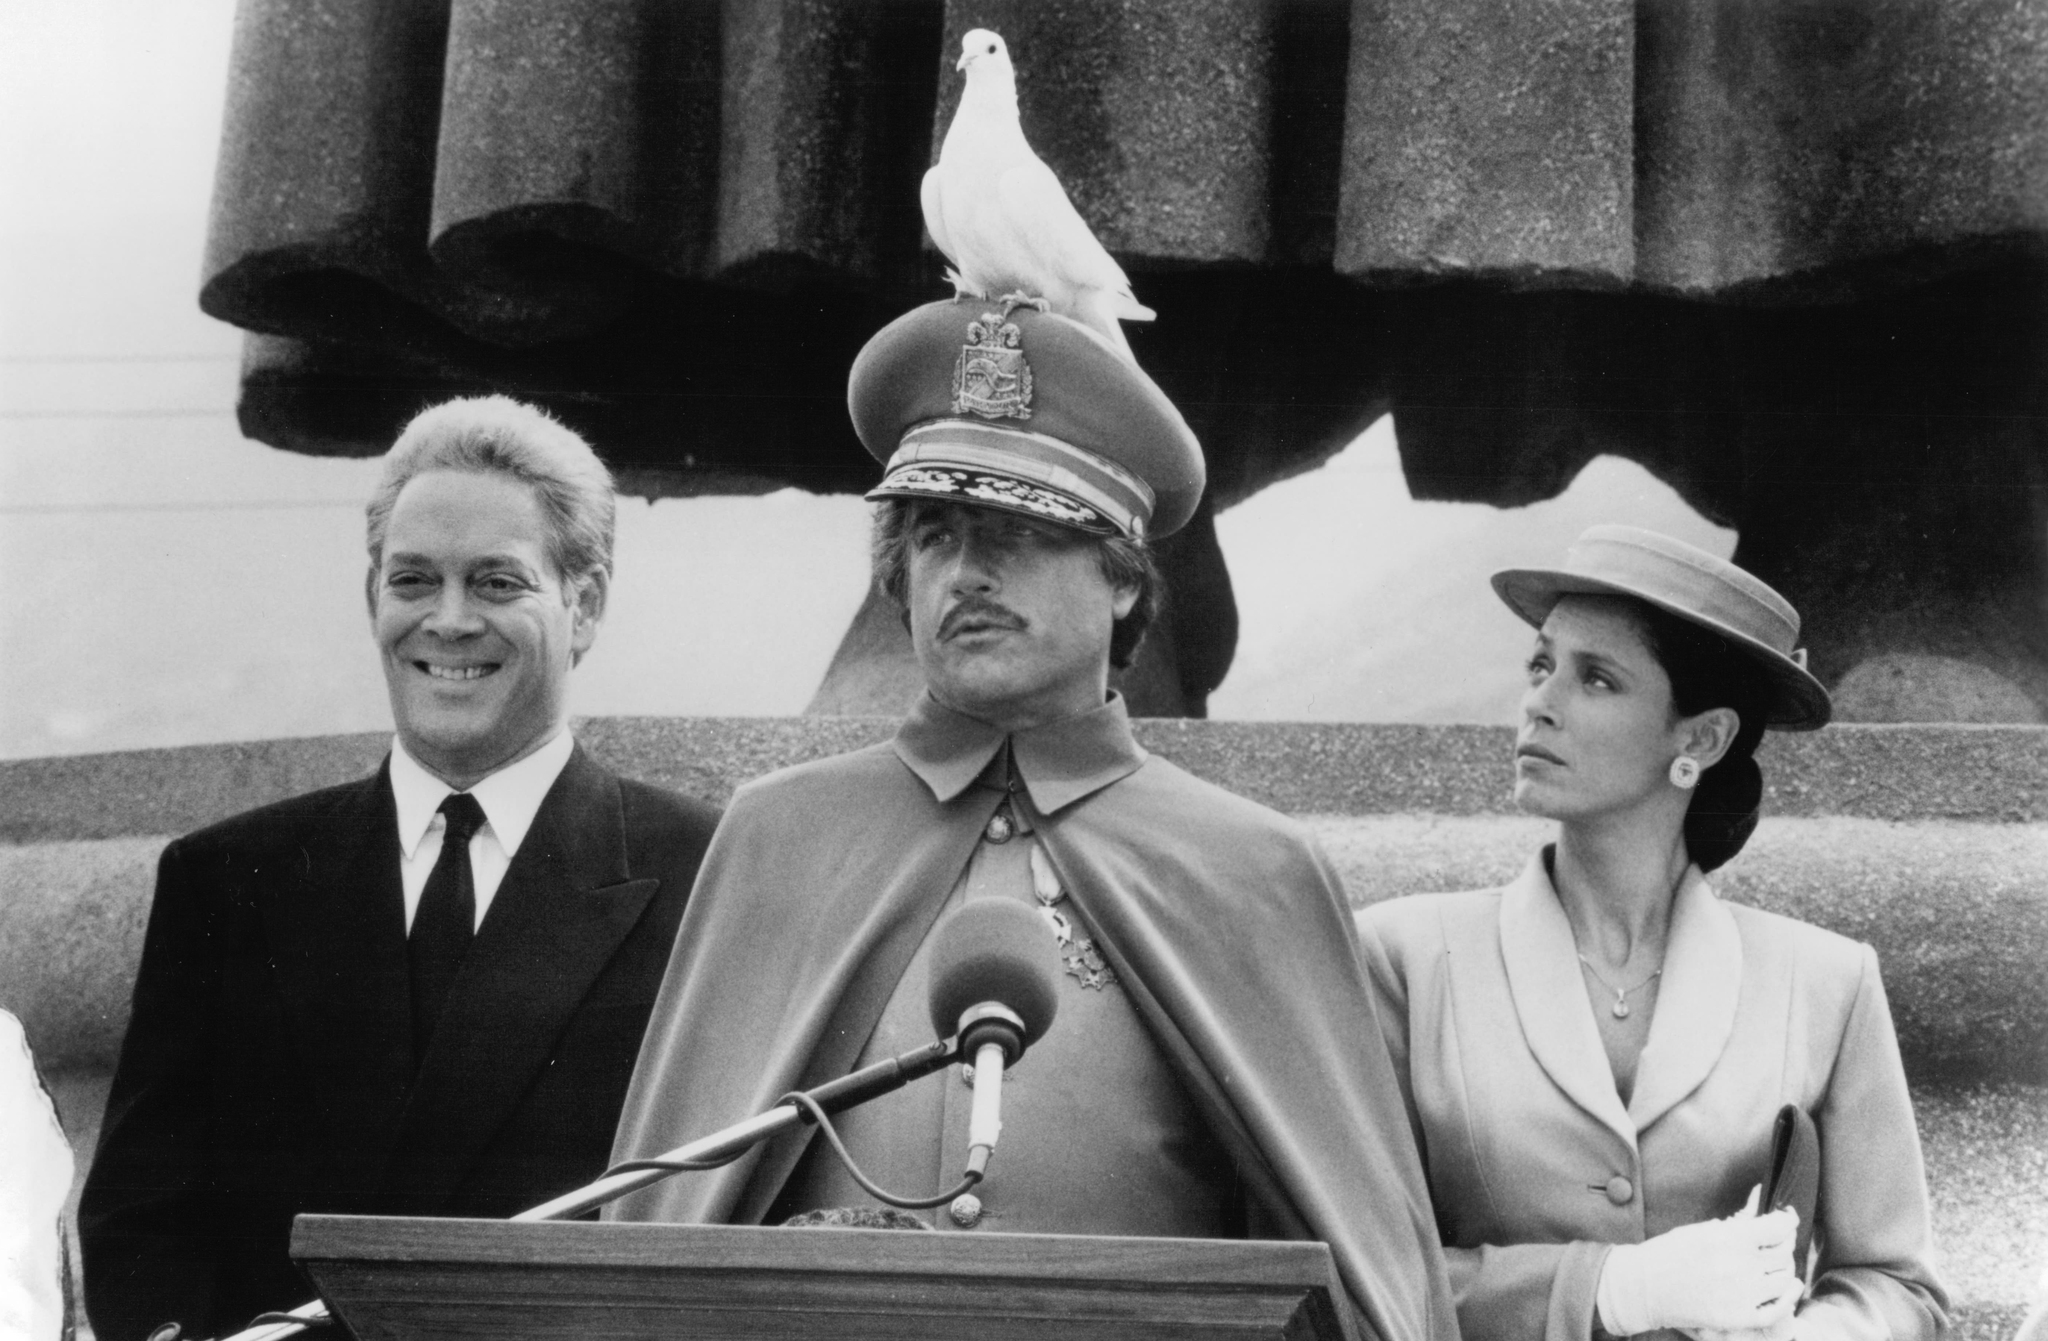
(814, 1113)
(812, 1110)
(271, 1319)
(673, 1165)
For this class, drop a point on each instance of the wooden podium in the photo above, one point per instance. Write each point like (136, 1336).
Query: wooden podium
(392, 1279)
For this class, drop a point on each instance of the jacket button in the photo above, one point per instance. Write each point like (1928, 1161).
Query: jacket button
(965, 1210)
(1619, 1190)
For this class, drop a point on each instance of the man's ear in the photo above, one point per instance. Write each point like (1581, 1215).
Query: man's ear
(588, 595)
(370, 591)
(1123, 599)
(1708, 735)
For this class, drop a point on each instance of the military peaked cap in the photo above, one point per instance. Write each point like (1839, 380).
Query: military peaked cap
(976, 402)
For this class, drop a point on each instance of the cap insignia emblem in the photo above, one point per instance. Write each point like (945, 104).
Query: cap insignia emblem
(991, 377)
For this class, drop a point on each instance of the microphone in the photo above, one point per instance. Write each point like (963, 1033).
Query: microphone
(993, 975)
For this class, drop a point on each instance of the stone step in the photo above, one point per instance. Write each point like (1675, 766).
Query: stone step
(1995, 774)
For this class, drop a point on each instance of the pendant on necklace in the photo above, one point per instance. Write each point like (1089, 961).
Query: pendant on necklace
(1620, 1008)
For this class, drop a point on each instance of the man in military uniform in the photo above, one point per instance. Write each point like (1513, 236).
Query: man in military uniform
(1211, 1072)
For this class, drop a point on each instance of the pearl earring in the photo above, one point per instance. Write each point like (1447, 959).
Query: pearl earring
(1685, 772)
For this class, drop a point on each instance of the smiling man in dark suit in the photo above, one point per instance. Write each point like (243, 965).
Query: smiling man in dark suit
(421, 993)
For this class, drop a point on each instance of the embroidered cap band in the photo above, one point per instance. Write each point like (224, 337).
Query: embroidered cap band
(1015, 468)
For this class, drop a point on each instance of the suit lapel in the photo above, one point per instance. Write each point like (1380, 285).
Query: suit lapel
(336, 927)
(565, 905)
(1695, 1002)
(1550, 998)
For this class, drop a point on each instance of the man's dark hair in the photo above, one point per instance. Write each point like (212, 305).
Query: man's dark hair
(1124, 563)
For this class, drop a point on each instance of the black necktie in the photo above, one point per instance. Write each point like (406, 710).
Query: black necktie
(445, 920)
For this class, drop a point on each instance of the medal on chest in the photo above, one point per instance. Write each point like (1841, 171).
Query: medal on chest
(1083, 961)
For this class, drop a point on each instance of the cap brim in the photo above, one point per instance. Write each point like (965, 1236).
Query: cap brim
(941, 483)
(1799, 701)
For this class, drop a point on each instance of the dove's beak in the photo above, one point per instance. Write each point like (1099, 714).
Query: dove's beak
(965, 57)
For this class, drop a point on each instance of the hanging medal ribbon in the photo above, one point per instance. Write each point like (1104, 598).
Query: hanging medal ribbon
(1083, 961)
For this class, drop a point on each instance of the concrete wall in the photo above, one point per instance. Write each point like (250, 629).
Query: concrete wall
(1930, 842)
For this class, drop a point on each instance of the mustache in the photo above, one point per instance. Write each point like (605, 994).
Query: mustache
(979, 608)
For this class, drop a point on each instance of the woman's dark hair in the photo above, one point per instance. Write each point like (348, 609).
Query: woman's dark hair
(1124, 563)
(1707, 671)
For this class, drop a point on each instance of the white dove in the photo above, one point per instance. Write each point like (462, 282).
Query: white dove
(1002, 217)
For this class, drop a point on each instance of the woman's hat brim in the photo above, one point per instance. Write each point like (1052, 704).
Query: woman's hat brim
(1799, 702)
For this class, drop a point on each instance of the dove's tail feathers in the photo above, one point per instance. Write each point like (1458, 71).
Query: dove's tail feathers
(1123, 304)
(1099, 310)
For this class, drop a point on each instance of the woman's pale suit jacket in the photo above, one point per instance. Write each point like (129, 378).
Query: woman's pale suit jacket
(1536, 1166)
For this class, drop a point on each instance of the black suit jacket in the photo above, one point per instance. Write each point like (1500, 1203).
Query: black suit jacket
(268, 1066)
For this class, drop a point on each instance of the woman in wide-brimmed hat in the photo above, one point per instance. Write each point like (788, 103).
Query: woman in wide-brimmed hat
(1596, 1055)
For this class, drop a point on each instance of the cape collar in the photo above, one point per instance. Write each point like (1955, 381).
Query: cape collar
(1059, 763)
(1696, 999)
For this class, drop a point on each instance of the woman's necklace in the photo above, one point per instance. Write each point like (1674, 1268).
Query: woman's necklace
(1620, 1006)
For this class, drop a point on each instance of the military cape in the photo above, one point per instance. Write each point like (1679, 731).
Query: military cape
(1223, 920)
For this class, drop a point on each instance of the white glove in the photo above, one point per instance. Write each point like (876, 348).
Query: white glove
(1727, 1275)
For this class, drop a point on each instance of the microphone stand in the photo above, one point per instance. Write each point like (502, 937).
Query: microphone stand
(834, 1096)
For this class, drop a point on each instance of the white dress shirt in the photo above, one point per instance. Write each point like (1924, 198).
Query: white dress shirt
(510, 798)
